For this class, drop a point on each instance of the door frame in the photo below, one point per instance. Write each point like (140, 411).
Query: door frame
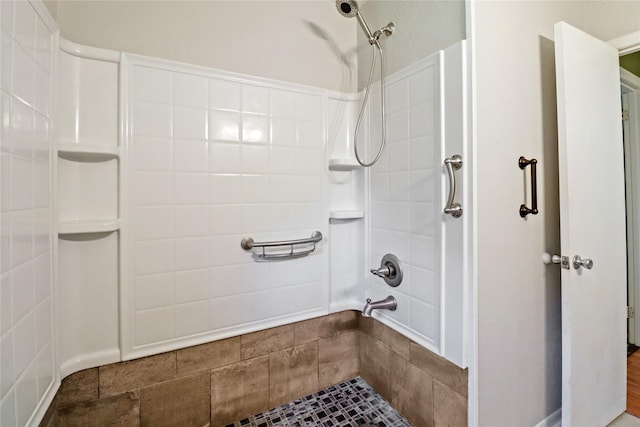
(628, 44)
(630, 86)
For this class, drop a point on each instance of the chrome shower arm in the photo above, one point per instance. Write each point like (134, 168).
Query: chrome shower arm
(365, 27)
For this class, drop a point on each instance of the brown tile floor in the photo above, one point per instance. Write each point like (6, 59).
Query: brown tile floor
(351, 403)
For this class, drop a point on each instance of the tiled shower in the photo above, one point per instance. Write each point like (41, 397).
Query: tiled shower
(128, 183)
(27, 344)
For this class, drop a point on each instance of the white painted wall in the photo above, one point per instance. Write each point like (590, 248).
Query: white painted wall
(607, 19)
(519, 332)
(422, 28)
(262, 38)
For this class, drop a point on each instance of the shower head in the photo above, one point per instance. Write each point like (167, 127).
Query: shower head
(347, 8)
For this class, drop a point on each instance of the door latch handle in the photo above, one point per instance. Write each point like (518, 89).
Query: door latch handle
(524, 210)
(579, 262)
(556, 259)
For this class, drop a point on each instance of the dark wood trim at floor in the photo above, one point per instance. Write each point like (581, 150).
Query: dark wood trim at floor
(633, 384)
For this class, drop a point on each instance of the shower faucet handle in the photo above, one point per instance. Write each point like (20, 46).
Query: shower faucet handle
(384, 271)
(389, 270)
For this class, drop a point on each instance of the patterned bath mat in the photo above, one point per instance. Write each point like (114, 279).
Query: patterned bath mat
(352, 403)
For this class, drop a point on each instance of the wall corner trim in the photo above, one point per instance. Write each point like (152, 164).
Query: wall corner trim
(553, 420)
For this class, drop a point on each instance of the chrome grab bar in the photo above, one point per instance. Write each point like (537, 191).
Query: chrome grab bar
(248, 244)
(453, 208)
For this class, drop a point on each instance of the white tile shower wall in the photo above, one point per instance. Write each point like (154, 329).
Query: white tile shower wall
(26, 331)
(404, 194)
(214, 157)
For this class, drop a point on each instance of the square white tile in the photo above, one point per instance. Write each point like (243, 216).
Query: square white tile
(423, 285)
(190, 155)
(155, 325)
(255, 159)
(310, 134)
(6, 16)
(191, 285)
(397, 126)
(7, 374)
(152, 222)
(225, 219)
(224, 95)
(6, 315)
(24, 25)
(151, 154)
(224, 126)
(190, 253)
(152, 120)
(424, 320)
(225, 188)
(226, 250)
(398, 96)
(155, 256)
(308, 107)
(24, 345)
(22, 290)
(191, 318)
(421, 86)
(152, 188)
(255, 99)
(423, 118)
(224, 158)
(153, 291)
(283, 132)
(43, 42)
(190, 90)
(190, 188)
(189, 122)
(6, 53)
(255, 129)
(283, 104)
(152, 85)
(424, 253)
(190, 221)
(43, 320)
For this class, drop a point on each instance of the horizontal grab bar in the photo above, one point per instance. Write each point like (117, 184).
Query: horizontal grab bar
(248, 243)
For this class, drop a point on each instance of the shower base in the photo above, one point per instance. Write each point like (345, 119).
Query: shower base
(351, 403)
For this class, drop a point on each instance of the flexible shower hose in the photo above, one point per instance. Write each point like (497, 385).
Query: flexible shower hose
(364, 103)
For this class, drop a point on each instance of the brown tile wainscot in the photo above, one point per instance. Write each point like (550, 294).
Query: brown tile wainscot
(223, 381)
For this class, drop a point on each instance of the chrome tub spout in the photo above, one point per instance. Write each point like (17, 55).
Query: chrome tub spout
(389, 303)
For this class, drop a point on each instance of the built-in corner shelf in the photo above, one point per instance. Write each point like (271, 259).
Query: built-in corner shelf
(88, 152)
(346, 214)
(343, 165)
(88, 226)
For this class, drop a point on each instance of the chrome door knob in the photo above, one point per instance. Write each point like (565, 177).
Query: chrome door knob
(579, 262)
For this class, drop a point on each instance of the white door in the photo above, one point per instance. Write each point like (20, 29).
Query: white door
(592, 226)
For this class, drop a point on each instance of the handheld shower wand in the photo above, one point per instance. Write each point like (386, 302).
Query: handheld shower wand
(349, 9)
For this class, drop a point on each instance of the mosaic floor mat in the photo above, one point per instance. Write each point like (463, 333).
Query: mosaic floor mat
(352, 403)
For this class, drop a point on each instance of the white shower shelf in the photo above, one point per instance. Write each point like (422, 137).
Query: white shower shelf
(346, 214)
(88, 226)
(343, 165)
(88, 152)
